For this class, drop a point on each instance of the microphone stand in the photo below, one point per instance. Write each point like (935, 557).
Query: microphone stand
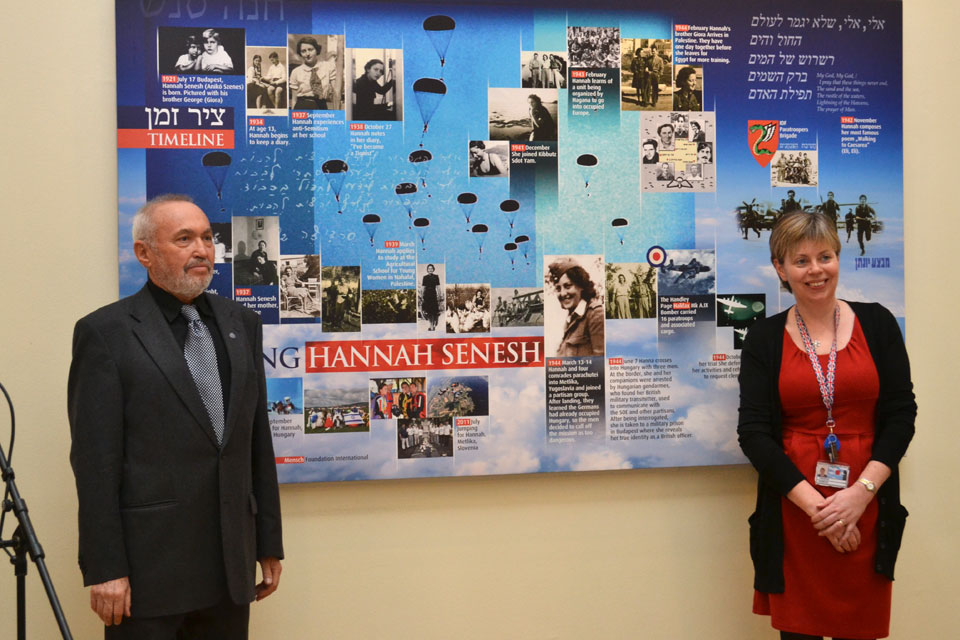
(24, 542)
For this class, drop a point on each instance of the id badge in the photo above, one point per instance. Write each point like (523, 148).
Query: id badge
(832, 474)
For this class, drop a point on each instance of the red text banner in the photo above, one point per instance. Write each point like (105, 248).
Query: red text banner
(419, 355)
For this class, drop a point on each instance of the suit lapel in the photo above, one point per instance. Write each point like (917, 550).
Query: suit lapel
(234, 339)
(154, 333)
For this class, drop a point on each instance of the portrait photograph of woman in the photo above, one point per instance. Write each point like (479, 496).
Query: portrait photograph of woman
(574, 306)
(376, 80)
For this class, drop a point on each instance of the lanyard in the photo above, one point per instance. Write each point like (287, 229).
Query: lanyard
(831, 443)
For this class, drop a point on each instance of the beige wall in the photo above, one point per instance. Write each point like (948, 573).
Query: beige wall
(650, 554)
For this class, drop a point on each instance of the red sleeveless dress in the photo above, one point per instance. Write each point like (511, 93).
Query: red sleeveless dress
(828, 593)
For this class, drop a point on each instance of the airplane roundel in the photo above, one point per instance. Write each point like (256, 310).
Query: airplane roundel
(656, 256)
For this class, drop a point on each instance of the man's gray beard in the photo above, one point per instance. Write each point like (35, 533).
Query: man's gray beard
(183, 285)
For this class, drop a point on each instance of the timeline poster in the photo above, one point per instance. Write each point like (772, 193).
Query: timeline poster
(511, 238)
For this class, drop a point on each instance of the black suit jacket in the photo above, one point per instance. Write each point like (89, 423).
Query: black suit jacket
(159, 500)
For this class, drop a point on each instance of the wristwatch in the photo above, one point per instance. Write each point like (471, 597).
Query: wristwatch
(868, 484)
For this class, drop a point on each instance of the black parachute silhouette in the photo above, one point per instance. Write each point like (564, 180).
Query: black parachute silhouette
(335, 171)
(370, 222)
(620, 226)
(216, 163)
(422, 225)
(428, 92)
(467, 202)
(440, 29)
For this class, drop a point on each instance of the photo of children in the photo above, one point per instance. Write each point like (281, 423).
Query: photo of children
(266, 81)
(200, 51)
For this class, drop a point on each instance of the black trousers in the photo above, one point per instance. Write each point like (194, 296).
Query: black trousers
(225, 621)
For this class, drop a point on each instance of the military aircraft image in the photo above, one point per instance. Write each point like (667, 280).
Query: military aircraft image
(740, 309)
(688, 270)
(761, 216)
(741, 332)
(730, 304)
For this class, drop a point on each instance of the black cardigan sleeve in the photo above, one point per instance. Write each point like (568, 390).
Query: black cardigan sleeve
(896, 406)
(758, 429)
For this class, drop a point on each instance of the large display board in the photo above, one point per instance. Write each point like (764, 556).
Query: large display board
(490, 239)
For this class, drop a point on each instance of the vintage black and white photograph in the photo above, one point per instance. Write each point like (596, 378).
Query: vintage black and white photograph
(467, 308)
(222, 242)
(335, 410)
(631, 290)
(794, 168)
(688, 88)
(424, 438)
(677, 151)
(389, 306)
(200, 51)
(573, 305)
(665, 171)
(315, 77)
(594, 47)
(705, 153)
(646, 74)
(266, 81)
(341, 298)
(517, 306)
(687, 272)
(489, 158)
(430, 297)
(543, 69)
(256, 250)
(458, 396)
(300, 287)
(375, 78)
(522, 114)
(681, 125)
(696, 132)
(740, 311)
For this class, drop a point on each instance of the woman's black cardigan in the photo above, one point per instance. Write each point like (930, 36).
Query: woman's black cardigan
(761, 439)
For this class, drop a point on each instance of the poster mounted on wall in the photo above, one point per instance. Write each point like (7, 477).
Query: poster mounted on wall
(494, 239)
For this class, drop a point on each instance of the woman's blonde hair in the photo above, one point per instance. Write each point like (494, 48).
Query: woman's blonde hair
(799, 226)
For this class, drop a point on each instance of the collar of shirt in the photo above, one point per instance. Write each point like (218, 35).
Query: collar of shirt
(578, 312)
(170, 306)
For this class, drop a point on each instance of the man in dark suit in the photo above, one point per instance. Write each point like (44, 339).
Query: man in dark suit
(171, 447)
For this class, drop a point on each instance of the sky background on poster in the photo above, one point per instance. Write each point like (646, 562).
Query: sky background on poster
(485, 52)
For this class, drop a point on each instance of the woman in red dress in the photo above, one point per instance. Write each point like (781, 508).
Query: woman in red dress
(826, 412)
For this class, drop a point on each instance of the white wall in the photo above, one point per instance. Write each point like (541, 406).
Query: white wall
(651, 554)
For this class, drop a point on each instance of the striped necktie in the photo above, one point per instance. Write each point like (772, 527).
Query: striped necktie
(201, 357)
